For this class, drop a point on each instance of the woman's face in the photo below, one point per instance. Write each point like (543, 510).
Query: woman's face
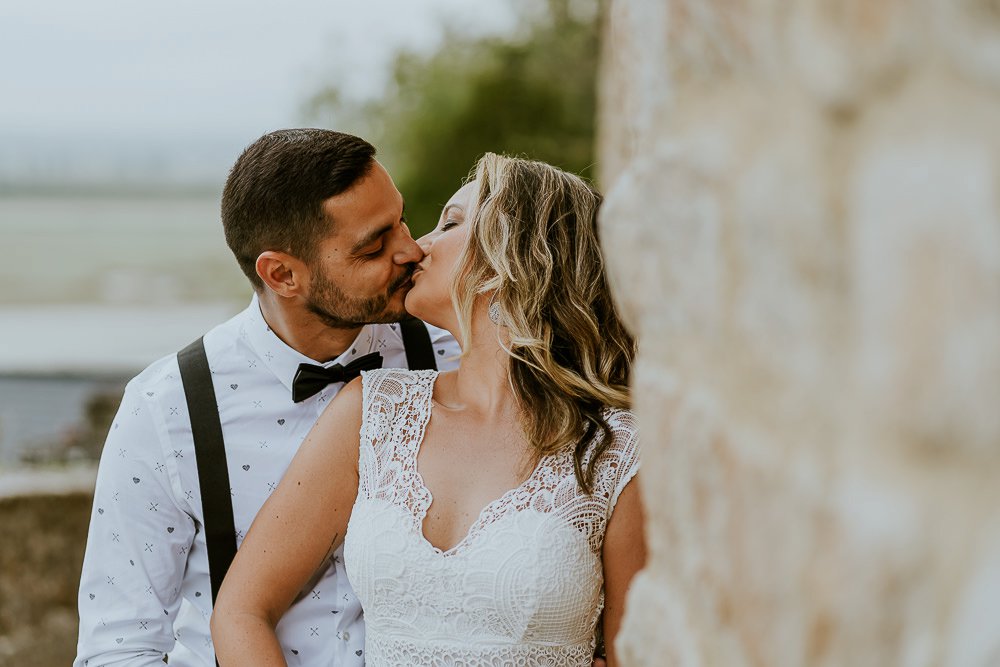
(430, 297)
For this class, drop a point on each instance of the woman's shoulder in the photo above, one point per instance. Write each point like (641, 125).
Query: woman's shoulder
(400, 376)
(624, 427)
(394, 385)
(624, 436)
(619, 461)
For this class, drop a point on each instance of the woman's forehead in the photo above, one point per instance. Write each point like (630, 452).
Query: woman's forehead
(463, 197)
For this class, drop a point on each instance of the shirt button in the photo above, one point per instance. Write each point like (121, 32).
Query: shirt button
(346, 636)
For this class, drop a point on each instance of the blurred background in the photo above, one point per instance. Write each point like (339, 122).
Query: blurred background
(118, 124)
(804, 197)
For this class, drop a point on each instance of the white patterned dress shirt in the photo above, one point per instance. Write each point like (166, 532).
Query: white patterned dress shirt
(145, 593)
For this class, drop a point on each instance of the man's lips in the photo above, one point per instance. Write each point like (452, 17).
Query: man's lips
(406, 283)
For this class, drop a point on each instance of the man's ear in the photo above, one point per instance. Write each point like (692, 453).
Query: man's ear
(284, 274)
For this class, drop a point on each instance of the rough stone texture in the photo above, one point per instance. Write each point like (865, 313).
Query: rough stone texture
(803, 225)
(42, 538)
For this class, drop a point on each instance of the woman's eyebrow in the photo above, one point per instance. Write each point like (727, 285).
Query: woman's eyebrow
(447, 208)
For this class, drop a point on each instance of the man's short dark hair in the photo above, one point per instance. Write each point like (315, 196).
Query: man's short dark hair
(273, 199)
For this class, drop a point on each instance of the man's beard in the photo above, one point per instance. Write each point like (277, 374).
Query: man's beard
(339, 310)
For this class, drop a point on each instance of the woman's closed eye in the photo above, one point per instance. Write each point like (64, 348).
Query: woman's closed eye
(448, 224)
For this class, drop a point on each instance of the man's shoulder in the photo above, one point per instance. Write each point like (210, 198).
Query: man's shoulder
(164, 373)
(446, 348)
(394, 340)
(438, 334)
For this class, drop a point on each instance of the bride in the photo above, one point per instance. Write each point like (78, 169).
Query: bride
(490, 515)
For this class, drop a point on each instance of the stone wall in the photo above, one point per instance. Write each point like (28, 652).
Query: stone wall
(803, 223)
(43, 533)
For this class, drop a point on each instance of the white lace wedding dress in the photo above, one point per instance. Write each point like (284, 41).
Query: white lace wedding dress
(524, 587)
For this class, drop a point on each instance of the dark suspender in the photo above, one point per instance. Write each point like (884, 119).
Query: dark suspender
(210, 451)
(417, 343)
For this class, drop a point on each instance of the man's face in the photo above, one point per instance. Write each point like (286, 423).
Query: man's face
(361, 273)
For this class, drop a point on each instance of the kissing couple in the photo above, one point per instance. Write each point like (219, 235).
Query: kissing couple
(431, 438)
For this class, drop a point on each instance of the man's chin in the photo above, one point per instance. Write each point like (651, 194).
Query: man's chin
(336, 310)
(394, 310)
(390, 316)
(397, 302)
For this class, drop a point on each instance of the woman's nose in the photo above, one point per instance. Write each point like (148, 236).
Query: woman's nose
(425, 242)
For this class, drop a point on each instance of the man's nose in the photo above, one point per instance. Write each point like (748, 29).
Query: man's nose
(410, 251)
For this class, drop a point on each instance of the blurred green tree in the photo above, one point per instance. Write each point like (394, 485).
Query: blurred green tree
(531, 93)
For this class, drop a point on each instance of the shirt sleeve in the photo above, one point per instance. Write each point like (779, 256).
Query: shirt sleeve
(136, 549)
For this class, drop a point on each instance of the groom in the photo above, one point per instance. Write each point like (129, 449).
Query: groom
(317, 226)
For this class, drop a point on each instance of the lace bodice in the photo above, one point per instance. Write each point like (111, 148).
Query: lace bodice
(525, 585)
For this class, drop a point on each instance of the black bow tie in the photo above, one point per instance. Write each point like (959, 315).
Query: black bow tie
(310, 378)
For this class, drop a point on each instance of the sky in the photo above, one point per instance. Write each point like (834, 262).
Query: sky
(109, 88)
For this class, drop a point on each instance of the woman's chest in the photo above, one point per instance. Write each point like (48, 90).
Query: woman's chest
(518, 568)
(464, 468)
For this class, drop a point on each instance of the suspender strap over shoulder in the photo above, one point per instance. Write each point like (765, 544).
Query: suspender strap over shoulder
(210, 453)
(417, 343)
(210, 450)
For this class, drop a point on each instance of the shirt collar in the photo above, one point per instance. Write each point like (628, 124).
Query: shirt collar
(281, 359)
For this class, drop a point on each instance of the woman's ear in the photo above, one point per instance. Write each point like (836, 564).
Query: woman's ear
(284, 274)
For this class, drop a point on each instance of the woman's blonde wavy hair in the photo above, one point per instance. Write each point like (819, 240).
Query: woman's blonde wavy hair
(533, 246)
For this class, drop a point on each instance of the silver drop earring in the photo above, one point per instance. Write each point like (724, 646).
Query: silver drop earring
(494, 311)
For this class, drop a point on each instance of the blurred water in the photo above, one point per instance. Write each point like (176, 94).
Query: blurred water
(57, 360)
(41, 415)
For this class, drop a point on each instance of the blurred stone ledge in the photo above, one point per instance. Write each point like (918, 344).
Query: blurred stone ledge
(44, 516)
(47, 482)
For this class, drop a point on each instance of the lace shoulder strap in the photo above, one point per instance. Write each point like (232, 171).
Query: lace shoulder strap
(381, 396)
(395, 406)
(620, 461)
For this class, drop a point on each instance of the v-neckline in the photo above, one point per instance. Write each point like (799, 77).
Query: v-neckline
(420, 520)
